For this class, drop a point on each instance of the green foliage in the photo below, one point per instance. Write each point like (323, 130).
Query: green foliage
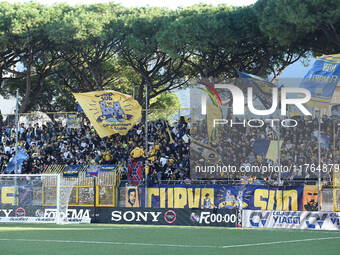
(62, 49)
(314, 25)
(141, 51)
(219, 40)
(164, 106)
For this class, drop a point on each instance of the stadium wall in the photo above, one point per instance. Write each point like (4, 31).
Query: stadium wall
(117, 215)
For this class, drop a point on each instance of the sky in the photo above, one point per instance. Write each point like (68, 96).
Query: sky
(173, 4)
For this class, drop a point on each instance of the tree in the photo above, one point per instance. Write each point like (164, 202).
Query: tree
(62, 50)
(313, 25)
(49, 52)
(164, 106)
(87, 44)
(1, 120)
(219, 40)
(25, 49)
(142, 53)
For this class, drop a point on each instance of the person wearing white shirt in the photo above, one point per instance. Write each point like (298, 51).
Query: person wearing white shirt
(163, 160)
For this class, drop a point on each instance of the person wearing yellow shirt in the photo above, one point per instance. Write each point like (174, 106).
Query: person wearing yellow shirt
(106, 156)
(147, 169)
(243, 181)
(137, 153)
(156, 147)
(152, 154)
(171, 161)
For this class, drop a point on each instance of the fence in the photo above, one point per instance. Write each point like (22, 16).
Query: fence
(74, 119)
(87, 191)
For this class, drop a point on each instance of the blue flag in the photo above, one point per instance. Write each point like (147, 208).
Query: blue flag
(262, 88)
(22, 156)
(92, 170)
(79, 109)
(261, 146)
(322, 79)
(72, 171)
(324, 139)
(107, 168)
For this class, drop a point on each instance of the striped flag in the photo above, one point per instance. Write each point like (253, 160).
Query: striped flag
(322, 80)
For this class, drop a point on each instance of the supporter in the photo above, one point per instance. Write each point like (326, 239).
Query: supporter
(54, 143)
(168, 154)
(207, 204)
(299, 150)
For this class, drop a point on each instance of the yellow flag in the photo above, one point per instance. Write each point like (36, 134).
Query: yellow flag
(213, 112)
(206, 151)
(171, 141)
(336, 96)
(109, 111)
(272, 152)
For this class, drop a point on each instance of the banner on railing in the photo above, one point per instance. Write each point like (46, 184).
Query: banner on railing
(24, 195)
(72, 171)
(107, 168)
(254, 197)
(310, 197)
(135, 172)
(293, 220)
(92, 170)
(131, 196)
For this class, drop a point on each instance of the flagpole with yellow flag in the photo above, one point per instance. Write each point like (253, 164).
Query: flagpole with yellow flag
(322, 80)
(146, 144)
(319, 161)
(109, 111)
(171, 140)
(279, 150)
(213, 112)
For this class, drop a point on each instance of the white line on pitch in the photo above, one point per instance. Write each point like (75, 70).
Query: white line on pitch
(170, 227)
(171, 245)
(282, 242)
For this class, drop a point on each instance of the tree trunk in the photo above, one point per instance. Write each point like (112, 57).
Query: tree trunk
(1, 120)
(27, 97)
(37, 92)
(140, 97)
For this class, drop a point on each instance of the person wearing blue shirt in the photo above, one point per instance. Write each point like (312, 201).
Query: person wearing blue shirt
(207, 204)
(239, 204)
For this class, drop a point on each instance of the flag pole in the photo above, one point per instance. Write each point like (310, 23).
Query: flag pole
(146, 144)
(319, 160)
(334, 139)
(278, 150)
(16, 132)
(16, 144)
(278, 146)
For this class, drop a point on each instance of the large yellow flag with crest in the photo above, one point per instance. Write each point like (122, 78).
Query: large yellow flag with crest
(109, 111)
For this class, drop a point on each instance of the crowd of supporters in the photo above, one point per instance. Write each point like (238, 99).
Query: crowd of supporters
(168, 155)
(54, 143)
(299, 150)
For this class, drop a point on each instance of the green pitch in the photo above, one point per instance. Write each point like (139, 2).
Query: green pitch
(99, 239)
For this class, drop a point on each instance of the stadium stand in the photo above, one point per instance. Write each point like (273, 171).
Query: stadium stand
(169, 160)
